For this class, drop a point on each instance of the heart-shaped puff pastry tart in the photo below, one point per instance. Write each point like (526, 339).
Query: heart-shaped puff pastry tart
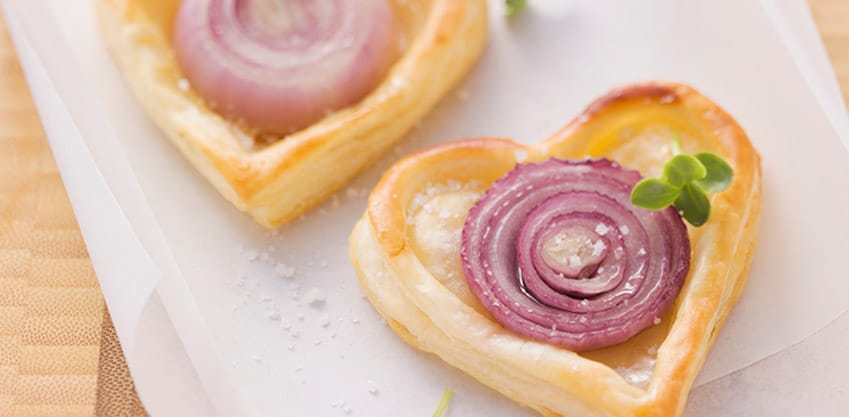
(407, 251)
(277, 177)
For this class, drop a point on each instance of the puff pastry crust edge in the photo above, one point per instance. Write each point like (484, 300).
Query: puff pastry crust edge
(281, 181)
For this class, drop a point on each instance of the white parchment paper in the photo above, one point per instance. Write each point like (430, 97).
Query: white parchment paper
(255, 344)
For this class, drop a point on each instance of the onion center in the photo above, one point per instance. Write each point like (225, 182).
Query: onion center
(556, 252)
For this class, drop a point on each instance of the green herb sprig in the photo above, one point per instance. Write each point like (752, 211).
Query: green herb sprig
(686, 182)
(443, 403)
(513, 7)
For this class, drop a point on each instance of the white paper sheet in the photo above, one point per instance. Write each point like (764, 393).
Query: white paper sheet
(573, 51)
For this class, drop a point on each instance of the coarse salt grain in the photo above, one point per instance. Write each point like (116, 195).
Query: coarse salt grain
(624, 229)
(284, 271)
(602, 229)
(273, 314)
(183, 84)
(521, 155)
(315, 298)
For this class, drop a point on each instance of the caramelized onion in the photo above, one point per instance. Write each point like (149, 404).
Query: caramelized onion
(556, 252)
(280, 65)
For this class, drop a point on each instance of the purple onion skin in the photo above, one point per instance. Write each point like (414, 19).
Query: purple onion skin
(280, 66)
(556, 252)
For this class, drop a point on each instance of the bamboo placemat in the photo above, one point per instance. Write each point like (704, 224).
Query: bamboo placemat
(59, 355)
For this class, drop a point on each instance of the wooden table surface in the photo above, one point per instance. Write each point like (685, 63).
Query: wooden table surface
(58, 352)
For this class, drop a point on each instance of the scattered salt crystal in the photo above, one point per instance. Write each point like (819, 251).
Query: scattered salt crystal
(315, 298)
(333, 335)
(355, 320)
(642, 251)
(295, 333)
(372, 389)
(585, 302)
(398, 81)
(602, 229)
(624, 229)
(273, 314)
(599, 246)
(521, 155)
(325, 321)
(618, 252)
(299, 369)
(291, 347)
(574, 261)
(183, 84)
(656, 320)
(284, 271)
(652, 350)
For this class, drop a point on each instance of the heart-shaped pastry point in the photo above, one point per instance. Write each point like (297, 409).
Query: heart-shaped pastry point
(407, 247)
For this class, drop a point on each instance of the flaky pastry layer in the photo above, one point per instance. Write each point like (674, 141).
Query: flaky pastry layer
(276, 182)
(403, 249)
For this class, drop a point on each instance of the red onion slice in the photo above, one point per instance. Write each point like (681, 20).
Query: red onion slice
(280, 65)
(556, 252)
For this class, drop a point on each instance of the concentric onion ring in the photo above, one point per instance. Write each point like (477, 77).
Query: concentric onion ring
(556, 252)
(280, 65)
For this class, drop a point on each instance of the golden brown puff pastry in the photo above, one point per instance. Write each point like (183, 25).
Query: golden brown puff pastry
(406, 252)
(279, 179)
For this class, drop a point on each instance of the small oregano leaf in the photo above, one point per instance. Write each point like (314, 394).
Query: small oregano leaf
(653, 194)
(693, 204)
(719, 174)
(683, 169)
(513, 7)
